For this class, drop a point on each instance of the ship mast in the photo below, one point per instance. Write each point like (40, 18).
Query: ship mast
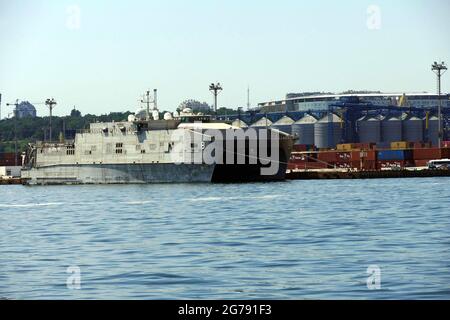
(146, 99)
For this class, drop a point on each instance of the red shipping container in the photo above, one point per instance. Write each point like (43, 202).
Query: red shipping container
(445, 144)
(427, 154)
(365, 155)
(445, 153)
(421, 145)
(385, 164)
(300, 147)
(366, 146)
(296, 156)
(317, 165)
(369, 165)
(421, 163)
(344, 156)
(329, 156)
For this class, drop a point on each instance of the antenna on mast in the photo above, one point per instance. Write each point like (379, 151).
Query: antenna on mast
(248, 98)
(146, 99)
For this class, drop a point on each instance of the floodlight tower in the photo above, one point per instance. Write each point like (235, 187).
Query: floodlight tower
(439, 69)
(51, 103)
(215, 89)
(16, 107)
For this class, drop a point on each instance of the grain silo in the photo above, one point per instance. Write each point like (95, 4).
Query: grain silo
(284, 124)
(433, 130)
(391, 129)
(262, 123)
(412, 127)
(369, 129)
(304, 130)
(328, 131)
(239, 123)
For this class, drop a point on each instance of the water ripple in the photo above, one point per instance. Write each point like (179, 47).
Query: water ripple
(291, 240)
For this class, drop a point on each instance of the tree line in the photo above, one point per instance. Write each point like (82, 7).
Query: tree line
(37, 129)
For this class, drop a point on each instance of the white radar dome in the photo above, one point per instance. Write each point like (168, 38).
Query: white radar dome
(155, 115)
(168, 116)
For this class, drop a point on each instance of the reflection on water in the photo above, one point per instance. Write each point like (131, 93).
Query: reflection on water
(290, 240)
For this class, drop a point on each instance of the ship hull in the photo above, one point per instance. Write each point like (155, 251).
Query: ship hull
(118, 174)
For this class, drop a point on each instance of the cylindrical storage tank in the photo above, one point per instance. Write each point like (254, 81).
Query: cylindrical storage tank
(304, 130)
(412, 127)
(391, 129)
(433, 130)
(369, 129)
(284, 124)
(239, 123)
(328, 131)
(262, 123)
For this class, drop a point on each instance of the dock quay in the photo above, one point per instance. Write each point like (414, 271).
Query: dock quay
(379, 174)
(11, 181)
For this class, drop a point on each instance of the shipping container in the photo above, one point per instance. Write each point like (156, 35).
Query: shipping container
(345, 147)
(445, 153)
(445, 144)
(300, 147)
(401, 145)
(343, 156)
(308, 166)
(421, 163)
(427, 154)
(369, 165)
(386, 164)
(327, 156)
(303, 147)
(421, 145)
(386, 155)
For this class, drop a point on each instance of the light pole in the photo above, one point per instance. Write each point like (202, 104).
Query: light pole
(215, 89)
(439, 69)
(50, 103)
(16, 106)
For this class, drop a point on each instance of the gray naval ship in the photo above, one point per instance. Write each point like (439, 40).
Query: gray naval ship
(146, 149)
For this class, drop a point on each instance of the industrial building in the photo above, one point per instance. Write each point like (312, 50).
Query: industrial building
(315, 102)
(355, 120)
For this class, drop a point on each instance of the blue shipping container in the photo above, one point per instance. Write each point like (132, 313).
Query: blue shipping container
(394, 155)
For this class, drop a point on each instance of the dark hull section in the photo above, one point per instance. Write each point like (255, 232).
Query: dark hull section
(227, 173)
(245, 173)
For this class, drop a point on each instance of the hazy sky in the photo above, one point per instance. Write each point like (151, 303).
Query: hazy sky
(100, 56)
